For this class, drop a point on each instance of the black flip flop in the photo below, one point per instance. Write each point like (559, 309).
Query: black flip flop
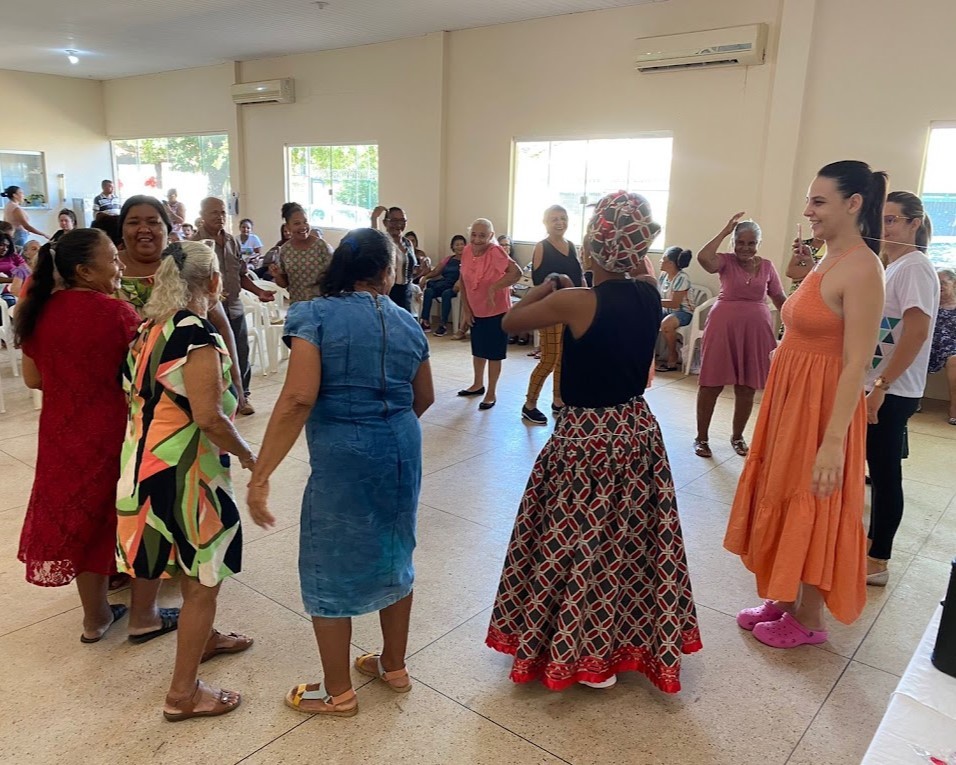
(170, 620)
(119, 611)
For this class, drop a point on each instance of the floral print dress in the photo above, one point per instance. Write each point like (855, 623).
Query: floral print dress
(944, 339)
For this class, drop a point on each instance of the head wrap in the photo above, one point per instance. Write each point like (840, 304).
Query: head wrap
(175, 251)
(621, 231)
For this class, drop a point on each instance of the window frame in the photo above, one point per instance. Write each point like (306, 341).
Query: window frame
(155, 137)
(309, 204)
(592, 137)
(921, 189)
(45, 205)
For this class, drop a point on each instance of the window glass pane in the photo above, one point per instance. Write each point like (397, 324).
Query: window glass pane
(575, 174)
(24, 169)
(338, 185)
(939, 195)
(197, 166)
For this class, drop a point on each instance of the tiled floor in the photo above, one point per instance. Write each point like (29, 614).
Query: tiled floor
(742, 703)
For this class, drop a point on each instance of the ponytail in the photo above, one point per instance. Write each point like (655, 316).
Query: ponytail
(924, 234)
(42, 283)
(871, 214)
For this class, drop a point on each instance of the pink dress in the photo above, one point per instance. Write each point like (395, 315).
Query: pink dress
(738, 337)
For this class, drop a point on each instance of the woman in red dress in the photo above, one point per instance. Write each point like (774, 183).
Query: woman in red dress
(74, 340)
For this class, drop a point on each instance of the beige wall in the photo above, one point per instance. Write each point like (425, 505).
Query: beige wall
(171, 103)
(64, 118)
(573, 77)
(389, 94)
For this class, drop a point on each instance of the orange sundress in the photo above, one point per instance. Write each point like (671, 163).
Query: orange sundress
(781, 531)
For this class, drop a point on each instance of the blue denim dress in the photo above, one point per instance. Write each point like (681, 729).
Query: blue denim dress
(357, 531)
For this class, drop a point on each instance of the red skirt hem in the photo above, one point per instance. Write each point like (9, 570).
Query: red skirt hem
(558, 677)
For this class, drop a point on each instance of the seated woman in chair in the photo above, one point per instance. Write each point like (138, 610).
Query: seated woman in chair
(676, 301)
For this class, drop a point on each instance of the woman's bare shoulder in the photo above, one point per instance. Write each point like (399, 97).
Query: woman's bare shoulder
(862, 262)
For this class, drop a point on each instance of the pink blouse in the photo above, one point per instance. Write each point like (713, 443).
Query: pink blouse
(479, 273)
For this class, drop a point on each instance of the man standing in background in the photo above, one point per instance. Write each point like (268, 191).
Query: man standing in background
(235, 278)
(106, 203)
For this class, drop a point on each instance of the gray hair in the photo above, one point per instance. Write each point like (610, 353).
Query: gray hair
(748, 225)
(949, 273)
(483, 222)
(178, 283)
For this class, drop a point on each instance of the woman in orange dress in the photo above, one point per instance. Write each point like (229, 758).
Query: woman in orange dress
(797, 518)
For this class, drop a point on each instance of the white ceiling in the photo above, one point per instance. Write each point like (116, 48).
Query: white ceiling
(118, 38)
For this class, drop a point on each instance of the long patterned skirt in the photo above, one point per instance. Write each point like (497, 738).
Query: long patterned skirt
(595, 581)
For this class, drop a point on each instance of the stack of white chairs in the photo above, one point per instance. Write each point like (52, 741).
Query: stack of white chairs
(254, 326)
(271, 323)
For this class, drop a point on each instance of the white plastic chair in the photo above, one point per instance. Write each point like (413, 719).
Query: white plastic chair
(455, 312)
(694, 332)
(6, 333)
(698, 296)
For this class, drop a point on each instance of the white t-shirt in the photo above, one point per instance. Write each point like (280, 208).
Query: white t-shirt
(911, 282)
(249, 247)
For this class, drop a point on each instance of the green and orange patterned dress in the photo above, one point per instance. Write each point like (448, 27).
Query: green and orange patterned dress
(175, 503)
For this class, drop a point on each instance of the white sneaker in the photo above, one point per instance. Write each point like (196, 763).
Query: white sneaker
(609, 683)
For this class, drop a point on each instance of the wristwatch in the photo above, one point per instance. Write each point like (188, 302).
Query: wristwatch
(882, 383)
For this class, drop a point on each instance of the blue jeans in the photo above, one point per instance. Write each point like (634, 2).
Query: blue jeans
(443, 292)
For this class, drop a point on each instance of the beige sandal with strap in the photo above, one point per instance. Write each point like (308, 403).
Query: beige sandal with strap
(343, 705)
(398, 680)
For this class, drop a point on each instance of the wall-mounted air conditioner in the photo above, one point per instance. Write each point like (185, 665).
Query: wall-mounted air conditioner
(265, 92)
(732, 46)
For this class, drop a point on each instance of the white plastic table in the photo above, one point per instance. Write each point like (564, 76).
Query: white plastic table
(921, 713)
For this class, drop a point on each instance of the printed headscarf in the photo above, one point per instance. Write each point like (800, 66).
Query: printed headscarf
(621, 231)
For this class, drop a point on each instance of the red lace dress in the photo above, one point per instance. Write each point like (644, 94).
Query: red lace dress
(79, 345)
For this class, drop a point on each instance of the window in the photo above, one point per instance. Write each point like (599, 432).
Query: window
(337, 185)
(26, 170)
(939, 194)
(575, 174)
(197, 166)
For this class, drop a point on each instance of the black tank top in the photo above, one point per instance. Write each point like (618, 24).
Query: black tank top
(608, 365)
(553, 262)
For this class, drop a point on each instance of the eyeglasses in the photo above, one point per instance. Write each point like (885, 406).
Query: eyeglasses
(889, 220)
(396, 221)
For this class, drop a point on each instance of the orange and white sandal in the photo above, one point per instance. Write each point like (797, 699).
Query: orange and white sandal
(343, 705)
(398, 680)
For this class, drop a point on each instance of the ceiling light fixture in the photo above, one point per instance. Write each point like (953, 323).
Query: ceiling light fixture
(72, 57)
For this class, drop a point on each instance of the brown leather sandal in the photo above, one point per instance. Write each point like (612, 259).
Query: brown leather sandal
(225, 642)
(343, 705)
(370, 665)
(225, 702)
(702, 448)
